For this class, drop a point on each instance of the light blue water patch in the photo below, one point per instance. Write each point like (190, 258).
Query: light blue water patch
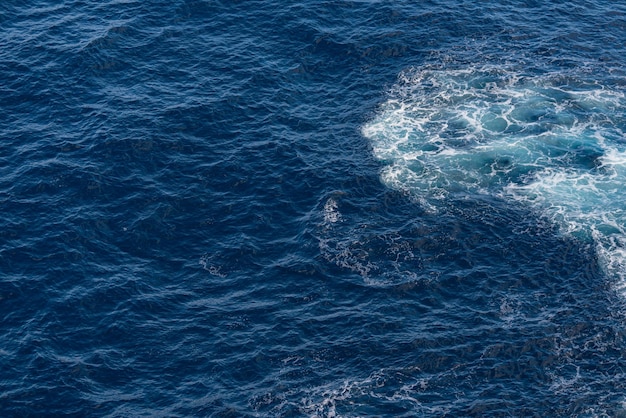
(553, 142)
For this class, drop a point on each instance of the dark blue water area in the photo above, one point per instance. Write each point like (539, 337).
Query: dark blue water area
(194, 225)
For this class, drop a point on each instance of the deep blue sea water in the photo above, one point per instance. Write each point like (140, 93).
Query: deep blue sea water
(322, 209)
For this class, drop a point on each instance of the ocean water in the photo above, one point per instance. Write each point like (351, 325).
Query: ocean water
(317, 209)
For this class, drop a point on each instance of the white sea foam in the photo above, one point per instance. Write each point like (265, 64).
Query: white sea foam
(381, 386)
(331, 212)
(553, 142)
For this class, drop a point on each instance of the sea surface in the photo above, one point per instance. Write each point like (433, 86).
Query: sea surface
(317, 209)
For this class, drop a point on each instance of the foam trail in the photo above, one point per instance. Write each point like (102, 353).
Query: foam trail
(552, 141)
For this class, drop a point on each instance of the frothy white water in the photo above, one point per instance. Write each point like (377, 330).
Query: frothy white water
(554, 141)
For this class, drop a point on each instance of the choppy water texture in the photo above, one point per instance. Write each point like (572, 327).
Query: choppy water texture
(312, 209)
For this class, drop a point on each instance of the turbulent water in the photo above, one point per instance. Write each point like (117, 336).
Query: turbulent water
(555, 140)
(323, 209)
